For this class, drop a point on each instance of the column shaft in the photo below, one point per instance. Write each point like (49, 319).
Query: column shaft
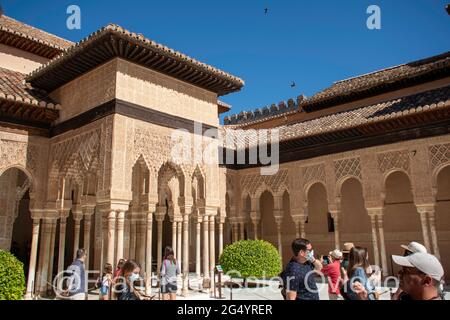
(376, 253)
(212, 245)
(159, 246)
(220, 237)
(76, 236)
(434, 239)
(174, 237)
(120, 232)
(382, 246)
(185, 254)
(111, 238)
(33, 258)
(87, 238)
(205, 247)
(179, 249)
(148, 255)
(51, 256)
(424, 222)
(46, 255)
(198, 247)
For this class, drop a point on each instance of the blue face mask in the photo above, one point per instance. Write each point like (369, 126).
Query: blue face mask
(310, 256)
(133, 277)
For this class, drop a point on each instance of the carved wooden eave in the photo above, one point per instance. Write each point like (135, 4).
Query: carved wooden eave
(379, 82)
(27, 114)
(412, 117)
(24, 37)
(113, 41)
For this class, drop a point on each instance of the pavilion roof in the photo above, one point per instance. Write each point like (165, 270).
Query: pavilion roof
(19, 100)
(114, 41)
(25, 37)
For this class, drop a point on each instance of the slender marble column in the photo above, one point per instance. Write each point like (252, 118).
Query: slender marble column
(241, 229)
(148, 255)
(434, 239)
(179, 249)
(76, 236)
(87, 237)
(221, 222)
(205, 247)
(184, 289)
(212, 247)
(424, 221)
(376, 253)
(133, 231)
(47, 225)
(198, 246)
(278, 221)
(120, 232)
(33, 258)
(382, 245)
(174, 237)
(111, 237)
(62, 244)
(51, 256)
(159, 219)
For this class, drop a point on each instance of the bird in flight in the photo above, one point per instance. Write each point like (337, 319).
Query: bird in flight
(266, 10)
(293, 85)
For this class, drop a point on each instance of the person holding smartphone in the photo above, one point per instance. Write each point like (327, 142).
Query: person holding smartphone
(332, 270)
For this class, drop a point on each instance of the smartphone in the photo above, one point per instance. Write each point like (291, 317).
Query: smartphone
(326, 260)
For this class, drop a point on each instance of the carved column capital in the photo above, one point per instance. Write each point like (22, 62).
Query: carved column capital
(426, 208)
(375, 212)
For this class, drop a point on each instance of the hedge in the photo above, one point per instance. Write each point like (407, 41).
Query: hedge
(12, 277)
(251, 258)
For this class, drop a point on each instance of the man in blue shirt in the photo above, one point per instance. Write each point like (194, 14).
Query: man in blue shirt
(77, 289)
(299, 274)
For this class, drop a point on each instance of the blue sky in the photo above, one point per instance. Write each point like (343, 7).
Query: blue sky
(312, 43)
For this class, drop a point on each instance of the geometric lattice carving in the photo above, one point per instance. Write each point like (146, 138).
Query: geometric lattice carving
(439, 154)
(314, 173)
(393, 160)
(276, 182)
(347, 167)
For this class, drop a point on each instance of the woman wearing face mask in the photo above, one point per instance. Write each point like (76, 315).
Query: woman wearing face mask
(125, 286)
(358, 276)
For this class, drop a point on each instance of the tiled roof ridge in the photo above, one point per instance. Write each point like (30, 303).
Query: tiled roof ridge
(111, 27)
(247, 117)
(265, 113)
(34, 38)
(15, 96)
(405, 105)
(420, 61)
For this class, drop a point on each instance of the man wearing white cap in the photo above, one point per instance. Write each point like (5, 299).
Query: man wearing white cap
(422, 274)
(411, 248)
(414, 247)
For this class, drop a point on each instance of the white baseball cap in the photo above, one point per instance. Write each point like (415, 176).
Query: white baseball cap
(424, 262)
(336, 253)
(415, 247)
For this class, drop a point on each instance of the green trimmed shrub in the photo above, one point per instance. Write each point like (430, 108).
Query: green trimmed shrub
(12, 277)
(251, 258)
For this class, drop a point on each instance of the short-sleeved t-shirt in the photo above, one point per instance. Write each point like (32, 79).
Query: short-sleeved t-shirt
(294, 277)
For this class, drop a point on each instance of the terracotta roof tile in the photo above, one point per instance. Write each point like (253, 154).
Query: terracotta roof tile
(357, 85)
(117, 46)
(14, 88)
(396, 108)
(21, 29)
(382, 77)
